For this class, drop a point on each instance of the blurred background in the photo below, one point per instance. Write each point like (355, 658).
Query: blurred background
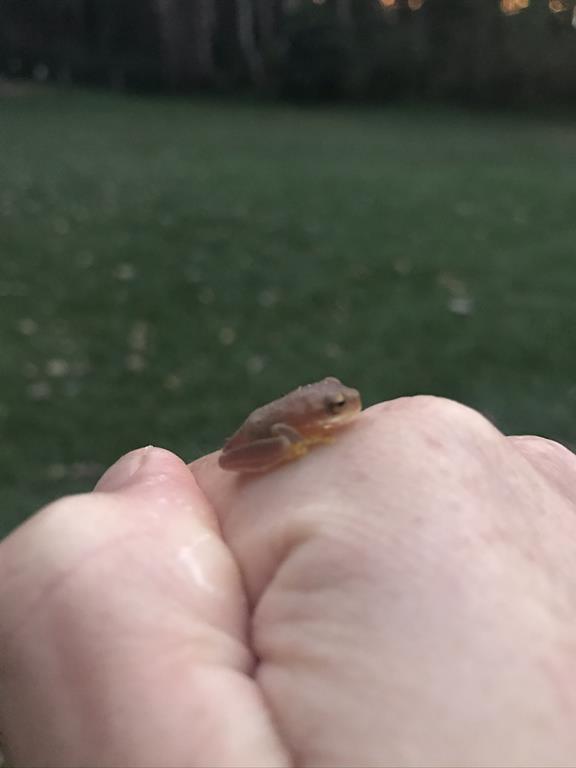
(205, 203)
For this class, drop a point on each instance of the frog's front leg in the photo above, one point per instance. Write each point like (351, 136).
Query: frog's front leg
(296, 444)
(260, 455)
(291, 434)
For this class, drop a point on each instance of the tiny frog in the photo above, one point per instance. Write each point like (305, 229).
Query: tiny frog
(285, 429)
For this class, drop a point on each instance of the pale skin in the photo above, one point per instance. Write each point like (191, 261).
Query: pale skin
(402, 596)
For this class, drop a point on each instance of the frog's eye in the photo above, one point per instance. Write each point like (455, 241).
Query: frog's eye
(336, 403)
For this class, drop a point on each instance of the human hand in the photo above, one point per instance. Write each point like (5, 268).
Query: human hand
(405, 596)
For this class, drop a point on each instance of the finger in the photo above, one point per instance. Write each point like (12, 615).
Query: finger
(396, 576)
(552, 460)
(123, 631)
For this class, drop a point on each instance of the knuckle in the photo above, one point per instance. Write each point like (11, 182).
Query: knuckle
(542, 446)
(428, 412)
(433, 434)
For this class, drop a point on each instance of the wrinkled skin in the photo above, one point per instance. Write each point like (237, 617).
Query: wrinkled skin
(403, 597)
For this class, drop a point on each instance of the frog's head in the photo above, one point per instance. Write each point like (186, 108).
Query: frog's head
(340, 403)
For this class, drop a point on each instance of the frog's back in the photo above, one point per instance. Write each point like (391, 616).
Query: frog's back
(294, 409)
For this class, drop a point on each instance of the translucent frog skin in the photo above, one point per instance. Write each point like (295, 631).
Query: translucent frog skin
(286, 428)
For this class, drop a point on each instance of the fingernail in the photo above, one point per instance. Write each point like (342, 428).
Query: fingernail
(125, 470)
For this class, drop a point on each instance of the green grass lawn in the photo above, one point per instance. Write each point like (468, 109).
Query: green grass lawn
(165, 266)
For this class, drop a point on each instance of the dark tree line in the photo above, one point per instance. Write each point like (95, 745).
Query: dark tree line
(482, 50)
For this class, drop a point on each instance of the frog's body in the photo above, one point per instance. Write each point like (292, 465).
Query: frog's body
(284, 429)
